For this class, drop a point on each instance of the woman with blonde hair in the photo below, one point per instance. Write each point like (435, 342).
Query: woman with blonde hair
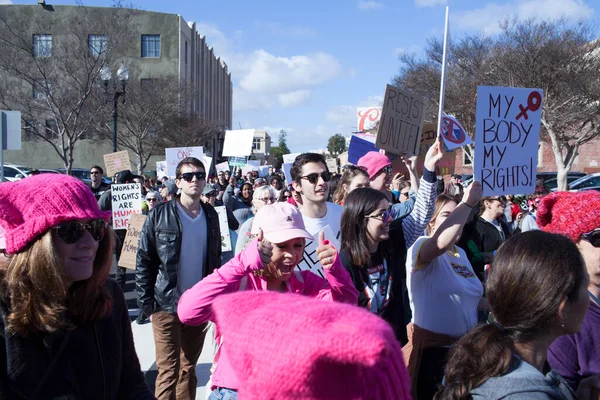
(65, 330)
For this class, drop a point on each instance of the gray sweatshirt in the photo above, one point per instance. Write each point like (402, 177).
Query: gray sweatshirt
(523, 381)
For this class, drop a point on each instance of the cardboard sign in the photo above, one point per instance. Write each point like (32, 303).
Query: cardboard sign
(238, 143)
(224, 166)
(508, 133)
(126, 201)
(116, 162)
(368, 118)
(453, 133)
(132, 241)
(358, 148)
(238, 161)
(310, 260)
(176, 154)
(161, 169)
(290, 158)
(224, 225)
(401, 122)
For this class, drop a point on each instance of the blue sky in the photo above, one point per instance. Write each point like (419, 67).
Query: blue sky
(305, 66)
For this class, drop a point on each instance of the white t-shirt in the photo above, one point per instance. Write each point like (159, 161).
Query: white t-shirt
(194, 247)
(333, 218)
(443, 294)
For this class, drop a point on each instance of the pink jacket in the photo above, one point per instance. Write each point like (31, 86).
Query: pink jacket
(194, 306)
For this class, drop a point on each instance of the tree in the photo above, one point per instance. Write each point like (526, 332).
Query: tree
(336, 145)
(276, 156)
(56, 78)
(561, 59)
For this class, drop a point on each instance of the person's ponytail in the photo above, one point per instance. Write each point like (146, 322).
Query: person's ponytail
(482, 353)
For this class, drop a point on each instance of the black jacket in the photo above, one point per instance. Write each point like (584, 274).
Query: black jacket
(98, 360)
(157, 262)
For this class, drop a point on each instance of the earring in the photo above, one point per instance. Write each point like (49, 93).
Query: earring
(562, 325)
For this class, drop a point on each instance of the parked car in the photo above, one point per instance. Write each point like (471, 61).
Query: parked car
(587, 181)
(84, 175)
(48, 171)
(12, 170)
(596, 188)
(552, 175)
(552, 184)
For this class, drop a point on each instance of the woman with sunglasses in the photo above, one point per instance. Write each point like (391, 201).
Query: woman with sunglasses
(267, 263)
(153, 199)
(443, 291)
(65, 330)
(352, 178)
(284, 195)
(576, 215)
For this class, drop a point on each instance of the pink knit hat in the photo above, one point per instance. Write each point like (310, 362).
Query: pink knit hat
(569, 213)
(31, 206)
(374, 162)
(287, 346)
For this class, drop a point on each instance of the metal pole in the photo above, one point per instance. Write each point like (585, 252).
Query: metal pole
(114, 123)
(3, 139)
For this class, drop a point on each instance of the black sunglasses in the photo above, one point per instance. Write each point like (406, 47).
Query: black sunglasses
(71, 231)
(152, 199)
(314, 178)
(593, 237)
(95, 173)
(386, 169)
(188, 176)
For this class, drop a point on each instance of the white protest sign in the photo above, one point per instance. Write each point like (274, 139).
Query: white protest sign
(248, 168)
(263, 171)
(453, 133)
(207, 161)
(126, 200)
(238, 143)
(287, 170)
(401, 122)
(254, 163)
(224, 166)
(224, 225)
(175, 154)
(289, 158)
(508, 133)
(367, 118)
(161, 169)
(310, 260)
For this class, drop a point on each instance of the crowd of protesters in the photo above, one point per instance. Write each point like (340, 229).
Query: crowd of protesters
(415, 288)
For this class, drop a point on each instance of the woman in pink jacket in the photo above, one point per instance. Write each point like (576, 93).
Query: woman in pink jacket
(267, 263)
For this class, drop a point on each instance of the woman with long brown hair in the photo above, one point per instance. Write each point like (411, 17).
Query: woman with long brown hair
(353, 178)
(537, 292)
(65, 330)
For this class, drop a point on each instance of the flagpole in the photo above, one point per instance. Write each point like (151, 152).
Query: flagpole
(443, 81)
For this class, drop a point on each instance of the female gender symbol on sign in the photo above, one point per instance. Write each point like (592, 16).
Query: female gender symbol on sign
(534, 101)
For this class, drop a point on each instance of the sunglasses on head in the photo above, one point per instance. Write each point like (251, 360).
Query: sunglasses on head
(593, 237)
(385, 215)
(71, 231)
(188, 176)
(314, 178)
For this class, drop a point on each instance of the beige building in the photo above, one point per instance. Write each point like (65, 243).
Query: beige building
(261, 145)
(157, 45)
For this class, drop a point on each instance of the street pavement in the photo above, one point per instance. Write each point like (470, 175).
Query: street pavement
(144, 344)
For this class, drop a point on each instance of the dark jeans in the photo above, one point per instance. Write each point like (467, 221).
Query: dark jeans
(431, 371)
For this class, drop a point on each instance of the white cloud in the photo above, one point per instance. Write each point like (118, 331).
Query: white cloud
(344, 116)
(487, 18)
(369, 5)
(271, 74)
(429, 3)
(294, 99)
(277, 28)
(246, 101)
(6, 2)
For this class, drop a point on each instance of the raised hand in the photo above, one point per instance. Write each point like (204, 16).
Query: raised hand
(473, 194)
(326, 252)
(434, 155)
(410, 160)
(265, 249)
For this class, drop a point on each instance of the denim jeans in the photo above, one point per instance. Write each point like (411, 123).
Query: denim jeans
(223, 394)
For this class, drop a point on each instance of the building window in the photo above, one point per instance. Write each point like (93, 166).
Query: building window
(151, 46)
(42, 45)
(29, 129)
(256, 143)
(51, 128)
(97, 44)
(41, 89)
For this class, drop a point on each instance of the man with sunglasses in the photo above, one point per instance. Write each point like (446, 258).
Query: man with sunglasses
(310, 178)
(98, 186)
(179, 245)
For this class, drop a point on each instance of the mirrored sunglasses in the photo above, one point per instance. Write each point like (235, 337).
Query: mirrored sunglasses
(384, 216)
(71, 231)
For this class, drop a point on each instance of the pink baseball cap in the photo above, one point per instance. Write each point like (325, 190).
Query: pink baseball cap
(280, 222)
(374, 162)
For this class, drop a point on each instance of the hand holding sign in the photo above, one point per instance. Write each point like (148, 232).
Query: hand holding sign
(434, 155)
(265, 249)
(326, 252)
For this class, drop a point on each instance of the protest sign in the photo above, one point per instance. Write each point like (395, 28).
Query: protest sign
(310, 260)
(249, 168)
(116, 162)
(161, 169)
(224, 225)
(207, 161)
(358, 148)
(176, 154)
(238, 161)
(131, 241)
(401, 122)
(263, 171)
(126, 200)
(224, 166)
(289, 158)
(287, 168)
(453, 133)
(508, 133)
(368, 118)
(254, 163)
(238, 143)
